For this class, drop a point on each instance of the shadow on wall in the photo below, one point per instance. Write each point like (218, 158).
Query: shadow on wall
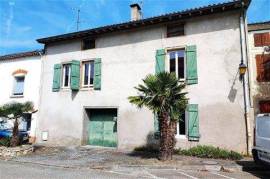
(233, 90)
(149, 150)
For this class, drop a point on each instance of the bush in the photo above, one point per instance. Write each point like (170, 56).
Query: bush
(5, 142)
(204, 151)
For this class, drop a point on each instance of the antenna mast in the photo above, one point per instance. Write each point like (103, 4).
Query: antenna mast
(78, 18)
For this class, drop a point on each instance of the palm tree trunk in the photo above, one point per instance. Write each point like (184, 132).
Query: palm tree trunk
(164, 131)
(172, 140)
(15, 134)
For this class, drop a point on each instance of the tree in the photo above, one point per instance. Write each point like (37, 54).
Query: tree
(162, 93)
(14, 111)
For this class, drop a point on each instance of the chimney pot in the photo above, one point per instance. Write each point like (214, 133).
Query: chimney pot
(135, 12)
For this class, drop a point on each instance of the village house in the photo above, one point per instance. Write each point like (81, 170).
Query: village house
(259, 61)
(87, 77)
(20, 82)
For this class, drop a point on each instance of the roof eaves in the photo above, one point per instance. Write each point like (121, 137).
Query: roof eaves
(21, 55)
(204, 10)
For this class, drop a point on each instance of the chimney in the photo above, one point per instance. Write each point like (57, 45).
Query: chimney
(136, 13)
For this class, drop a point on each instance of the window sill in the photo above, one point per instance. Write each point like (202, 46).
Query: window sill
(90, 88)
(16, 96)
(180, 136)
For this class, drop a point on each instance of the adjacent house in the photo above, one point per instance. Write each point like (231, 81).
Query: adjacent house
(20, 82)
(259, 57)
(88, 75)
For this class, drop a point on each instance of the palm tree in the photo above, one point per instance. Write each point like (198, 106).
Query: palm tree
(14, 111)
(162, 94)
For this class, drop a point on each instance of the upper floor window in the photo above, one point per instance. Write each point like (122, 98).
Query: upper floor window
(18, 89)
(261, 39)
(263, 67)
(88, 73)
(88, 44)
(176, 63)
(174, 30)
(66, 75)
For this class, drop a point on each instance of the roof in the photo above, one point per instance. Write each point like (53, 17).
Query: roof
(21, 54)
(259, 26)
(165, 18)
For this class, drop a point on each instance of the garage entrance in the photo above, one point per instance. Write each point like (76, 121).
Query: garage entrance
(102, 127)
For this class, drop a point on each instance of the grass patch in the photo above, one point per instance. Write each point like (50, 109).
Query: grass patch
(204, 151)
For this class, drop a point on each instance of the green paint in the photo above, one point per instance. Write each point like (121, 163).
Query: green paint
(103, 128)
(75, 75)
(193, 122)
(56, 77)
(160, 61)
(191, 58)
(97, 74)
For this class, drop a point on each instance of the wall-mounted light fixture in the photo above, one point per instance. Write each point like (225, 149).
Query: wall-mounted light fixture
(242, 69)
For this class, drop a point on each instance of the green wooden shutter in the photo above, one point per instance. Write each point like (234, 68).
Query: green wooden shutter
(75, 75)
(160, 67)
(160, 61)
(97, 75)
(156, 127)
(56, 77)
(191, 58)
(193, 122)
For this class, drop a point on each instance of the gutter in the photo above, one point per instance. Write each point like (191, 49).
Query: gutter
(245, 79)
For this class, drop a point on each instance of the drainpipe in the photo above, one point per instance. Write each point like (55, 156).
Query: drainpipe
(245, 82)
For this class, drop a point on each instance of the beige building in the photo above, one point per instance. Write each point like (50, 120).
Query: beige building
(259, 61)
(87, 77)
(20, 82)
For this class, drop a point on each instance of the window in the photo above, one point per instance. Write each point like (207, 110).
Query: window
(261, 39)
(177, 63)
(181, 126)
(88, 44)
(88, 73)
(66, 76)
(263, 68)
(18, 86)
(175, 30)
(264, 106)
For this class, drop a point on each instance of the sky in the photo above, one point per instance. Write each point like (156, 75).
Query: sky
(24, 21)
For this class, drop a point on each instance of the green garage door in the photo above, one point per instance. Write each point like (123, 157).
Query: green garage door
(103, 127)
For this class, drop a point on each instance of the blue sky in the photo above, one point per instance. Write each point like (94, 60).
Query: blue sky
(24, 21)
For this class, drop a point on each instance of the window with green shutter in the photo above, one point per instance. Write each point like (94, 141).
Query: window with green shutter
(75, 75)
(193, 122)
(160, 60)
(97, 75)
(191, 71)
(56, 78)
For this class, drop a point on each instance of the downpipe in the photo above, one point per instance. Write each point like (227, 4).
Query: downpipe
(244, 56)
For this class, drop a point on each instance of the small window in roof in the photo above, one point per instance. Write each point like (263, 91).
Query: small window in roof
(88, 44)
(174, 30)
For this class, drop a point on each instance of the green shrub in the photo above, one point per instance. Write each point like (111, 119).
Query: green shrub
(204, 151)
(5, 141)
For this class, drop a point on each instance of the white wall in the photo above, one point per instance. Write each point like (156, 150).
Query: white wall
(31, 84)
(129, 57)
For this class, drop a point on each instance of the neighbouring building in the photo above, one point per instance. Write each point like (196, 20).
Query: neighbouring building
(88, 75)
(259, 60)
(20, 82)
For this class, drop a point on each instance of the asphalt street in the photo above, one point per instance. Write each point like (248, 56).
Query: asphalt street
(20, 170)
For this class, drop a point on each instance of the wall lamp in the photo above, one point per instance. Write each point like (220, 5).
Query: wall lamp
(242, 69)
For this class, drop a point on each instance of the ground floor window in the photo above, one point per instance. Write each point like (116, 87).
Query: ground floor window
(264, 106)
(181, 126)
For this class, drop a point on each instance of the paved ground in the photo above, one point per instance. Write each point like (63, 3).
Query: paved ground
(107, 163)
